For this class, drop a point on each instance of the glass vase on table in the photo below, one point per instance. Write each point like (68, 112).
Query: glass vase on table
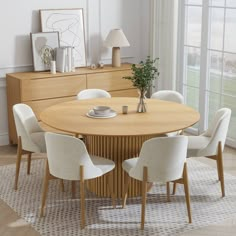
(142, 106)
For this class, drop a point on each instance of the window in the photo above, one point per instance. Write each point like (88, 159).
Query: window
(207, 59)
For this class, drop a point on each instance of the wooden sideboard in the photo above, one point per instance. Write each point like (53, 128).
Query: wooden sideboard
(43, 89)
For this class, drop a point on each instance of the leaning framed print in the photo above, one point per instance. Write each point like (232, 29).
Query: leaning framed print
(43, 49)
(70, 25)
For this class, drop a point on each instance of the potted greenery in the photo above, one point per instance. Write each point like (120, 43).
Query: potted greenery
(142, 76)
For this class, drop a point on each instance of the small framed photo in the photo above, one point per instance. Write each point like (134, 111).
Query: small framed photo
(43, 49)
(70, 25)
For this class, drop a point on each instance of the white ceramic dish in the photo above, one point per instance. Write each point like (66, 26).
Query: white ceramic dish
(102, 110)
(91, 114)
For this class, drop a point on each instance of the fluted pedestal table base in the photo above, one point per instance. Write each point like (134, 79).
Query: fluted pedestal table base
(117, 149)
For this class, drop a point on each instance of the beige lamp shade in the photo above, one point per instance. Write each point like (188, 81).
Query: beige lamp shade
(116, 39)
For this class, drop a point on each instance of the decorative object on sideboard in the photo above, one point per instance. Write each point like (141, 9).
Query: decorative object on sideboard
(93, 67)
(116, 39)
(53, 67)
(43, 45)
(65, 59)
(100, 65)
(142, 76)
(70, 25)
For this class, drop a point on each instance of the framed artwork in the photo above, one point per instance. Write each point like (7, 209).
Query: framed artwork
(43, 49)
(70, 25)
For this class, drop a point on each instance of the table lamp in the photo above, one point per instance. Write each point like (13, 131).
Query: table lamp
(116, 39)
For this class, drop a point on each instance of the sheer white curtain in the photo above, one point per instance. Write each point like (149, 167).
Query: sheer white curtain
(164, 21)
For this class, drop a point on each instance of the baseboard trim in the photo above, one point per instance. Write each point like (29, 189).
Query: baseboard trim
(4, 139)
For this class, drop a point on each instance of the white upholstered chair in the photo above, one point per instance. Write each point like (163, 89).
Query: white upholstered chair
(161, 159)
(211, 143)
(93, 93)
(171, 96)
(68, 159)
(168, 95)
(30, 136)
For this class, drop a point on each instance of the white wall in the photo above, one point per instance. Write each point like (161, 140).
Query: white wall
(19, 18)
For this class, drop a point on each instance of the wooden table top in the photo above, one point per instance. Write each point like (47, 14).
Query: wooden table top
(161, 117)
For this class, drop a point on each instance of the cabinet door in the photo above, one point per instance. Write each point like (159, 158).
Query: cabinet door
(109, 81)
(56, 87)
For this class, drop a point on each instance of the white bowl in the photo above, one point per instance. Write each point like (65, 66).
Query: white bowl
(101, 110)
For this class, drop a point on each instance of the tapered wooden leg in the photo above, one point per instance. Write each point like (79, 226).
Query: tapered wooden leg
(126, 189)
(174, 188)
(62, 185)
(28, 163)
(144, 196)
(73, 189)
(186, 190)
(82, 198)
(111, 189)
(218, 166)
(168, 191)
(45, 188)
(18, 162)
(221, 169)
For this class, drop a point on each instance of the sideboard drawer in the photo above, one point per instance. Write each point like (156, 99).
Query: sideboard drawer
(109, 81)
(125, 93)
(40, 105)
(35, 89)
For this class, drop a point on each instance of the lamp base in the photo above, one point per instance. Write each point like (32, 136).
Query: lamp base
(116, 57)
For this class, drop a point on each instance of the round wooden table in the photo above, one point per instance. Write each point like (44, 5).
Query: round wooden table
(122, 136)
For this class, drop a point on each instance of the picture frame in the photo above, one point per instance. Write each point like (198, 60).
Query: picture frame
(70, 25)
(43, 49)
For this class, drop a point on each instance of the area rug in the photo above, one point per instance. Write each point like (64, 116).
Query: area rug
(162, 218)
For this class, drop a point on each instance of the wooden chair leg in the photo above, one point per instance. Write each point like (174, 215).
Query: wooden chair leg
(62, 185)
(144, 196)
(45, 188)
(111, 189)
(82, 198)
(18, 162)
(168, 191)
(218, 167)
(186, 190)
(73, 189)
(221, 169)
(126, 189)
(174, 188)
(29, 163)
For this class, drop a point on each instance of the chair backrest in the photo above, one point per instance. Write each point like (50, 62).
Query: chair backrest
(168, 95)
(26, 124)
(65, 156)
(164, 157)
(217, 131)
(93, 93)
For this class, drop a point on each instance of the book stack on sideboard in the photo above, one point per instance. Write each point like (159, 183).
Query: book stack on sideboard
(43, 89)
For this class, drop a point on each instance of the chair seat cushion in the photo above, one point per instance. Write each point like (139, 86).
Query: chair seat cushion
(39, 140)
(105, 165)
(196, 143)
(129, 164)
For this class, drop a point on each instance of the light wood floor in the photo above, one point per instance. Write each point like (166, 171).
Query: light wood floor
(12, 225)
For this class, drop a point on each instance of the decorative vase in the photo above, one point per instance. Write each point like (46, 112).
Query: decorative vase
(142, 106)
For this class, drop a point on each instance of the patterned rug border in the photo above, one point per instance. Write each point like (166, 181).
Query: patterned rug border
(163, 219)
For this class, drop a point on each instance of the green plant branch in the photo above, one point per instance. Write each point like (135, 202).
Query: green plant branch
(143, 74)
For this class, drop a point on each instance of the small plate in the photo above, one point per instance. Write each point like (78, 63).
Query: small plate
(91, 114)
